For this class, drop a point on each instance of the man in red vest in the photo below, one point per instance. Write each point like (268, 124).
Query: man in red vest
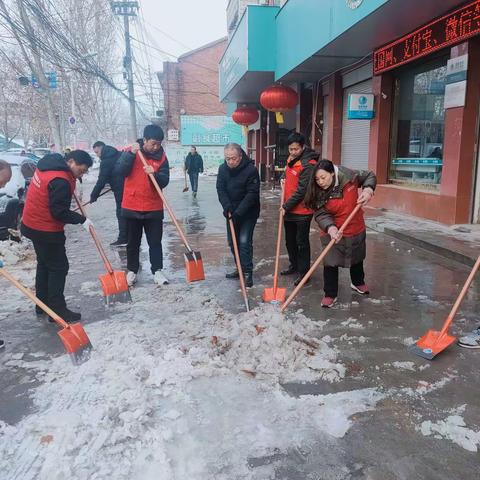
(141, 204)
(297, 217)
(47, 210)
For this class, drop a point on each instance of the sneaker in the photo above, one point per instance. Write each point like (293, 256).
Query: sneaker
(2, 344)
(328, 302)
(361, 289)
(159, 278)
(68, 315)
(472, 340)
(289, 271)
(299, 279)
(248, 279)
(131, 278)
(118, 243)
(233, 274)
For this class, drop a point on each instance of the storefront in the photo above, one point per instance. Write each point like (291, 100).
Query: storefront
(425, 134)
(416, 69)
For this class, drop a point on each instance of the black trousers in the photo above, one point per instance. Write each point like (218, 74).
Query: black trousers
(330, 278)
(52, 269)
(194, 181)
(297, 239)
(154, 231)
(122, 222)
(244, 229)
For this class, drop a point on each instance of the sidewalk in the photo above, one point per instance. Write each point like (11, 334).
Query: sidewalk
(457, 242)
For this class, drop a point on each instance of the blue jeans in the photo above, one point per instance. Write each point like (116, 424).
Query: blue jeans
(194, 181)
(244, 232)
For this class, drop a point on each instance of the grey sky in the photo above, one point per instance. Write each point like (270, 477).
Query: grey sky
(189, 24)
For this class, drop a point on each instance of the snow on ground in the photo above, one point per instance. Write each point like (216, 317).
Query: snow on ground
(455, 429)
(12, 252)
(178, 389)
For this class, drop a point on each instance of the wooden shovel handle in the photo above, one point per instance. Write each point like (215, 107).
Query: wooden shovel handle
(93, 233)
(319, 259)
(34, 299)
(88, 203)
(237, 261)
(460, 298)
(165, 203)
(279, 241)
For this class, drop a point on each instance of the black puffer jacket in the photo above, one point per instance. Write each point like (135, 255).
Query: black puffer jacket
(109, 172)
(238, 188)
(194, 163)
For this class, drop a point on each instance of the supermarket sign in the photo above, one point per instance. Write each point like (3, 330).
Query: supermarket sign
(215, 130)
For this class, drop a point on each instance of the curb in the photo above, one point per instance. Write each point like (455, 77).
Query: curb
(431, 247)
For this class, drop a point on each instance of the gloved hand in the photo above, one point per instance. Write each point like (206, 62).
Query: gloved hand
(87, 224)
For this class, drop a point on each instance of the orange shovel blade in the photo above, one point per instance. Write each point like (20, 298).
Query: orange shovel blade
(270, 296)
(76, 342)
(194, 267)
(431, 344)
(115, 287)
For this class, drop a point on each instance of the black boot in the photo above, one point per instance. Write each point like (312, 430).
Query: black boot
(119, 243)
(233, 274)
(289, 271)
(248, 279)
(67, 315)
(38, 311)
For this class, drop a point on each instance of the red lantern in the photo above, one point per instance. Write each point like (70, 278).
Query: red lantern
(279, 99)
(245, 116)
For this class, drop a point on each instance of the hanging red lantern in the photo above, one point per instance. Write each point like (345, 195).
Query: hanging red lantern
(245, 116)
(279, 99)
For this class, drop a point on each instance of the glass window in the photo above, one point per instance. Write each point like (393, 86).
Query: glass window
(418, 126)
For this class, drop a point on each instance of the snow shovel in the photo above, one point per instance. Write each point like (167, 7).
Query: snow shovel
(185, 188)
(319, 259)
(193, 260)
(73, 336)
(114, 282)
(276, 295)
(88, 203)
(237, 261)
(434, 341)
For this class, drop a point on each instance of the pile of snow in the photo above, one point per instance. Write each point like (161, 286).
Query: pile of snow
(455, 429)
(171, 394)
(12, 252)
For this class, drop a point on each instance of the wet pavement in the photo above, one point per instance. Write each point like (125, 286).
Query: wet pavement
(412, 291)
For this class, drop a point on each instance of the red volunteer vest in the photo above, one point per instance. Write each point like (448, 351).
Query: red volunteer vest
(139, 194)
(341, 208)
(36, 213)
(292, 176)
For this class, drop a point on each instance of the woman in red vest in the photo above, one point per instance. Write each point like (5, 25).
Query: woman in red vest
(333, 194)
(46, 211)
(297, 217)
(141, 204)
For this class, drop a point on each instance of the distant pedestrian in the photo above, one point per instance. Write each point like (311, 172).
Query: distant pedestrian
(193, 166)
(238, 189)
(297, 218)
(110, 173)
(5, 176)
(141, 205)
(333, 194)
(46, 212)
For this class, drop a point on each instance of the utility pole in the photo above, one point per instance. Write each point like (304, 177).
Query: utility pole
(127, 10)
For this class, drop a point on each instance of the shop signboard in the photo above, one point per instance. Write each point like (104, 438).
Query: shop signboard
(457, 69)
(360, 106)
(209, 130)
(453, 28)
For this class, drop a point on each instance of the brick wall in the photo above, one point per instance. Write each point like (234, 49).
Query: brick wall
(191, 84)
